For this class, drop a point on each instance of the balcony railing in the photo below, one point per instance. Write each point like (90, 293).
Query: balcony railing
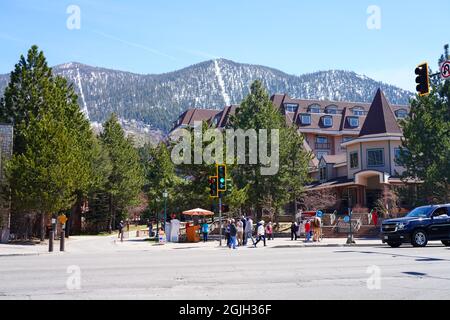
(323, 145)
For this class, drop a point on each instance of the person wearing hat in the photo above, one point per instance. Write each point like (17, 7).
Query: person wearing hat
(260, 232)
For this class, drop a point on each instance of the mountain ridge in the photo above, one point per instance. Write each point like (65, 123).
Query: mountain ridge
(154, 101)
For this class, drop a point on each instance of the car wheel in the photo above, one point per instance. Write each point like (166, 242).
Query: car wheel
(419, 238)
(446, 243)
(394, 244)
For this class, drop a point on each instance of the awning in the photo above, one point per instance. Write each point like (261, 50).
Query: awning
(198, 212)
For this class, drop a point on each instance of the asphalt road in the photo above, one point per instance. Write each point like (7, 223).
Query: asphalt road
(198, 272)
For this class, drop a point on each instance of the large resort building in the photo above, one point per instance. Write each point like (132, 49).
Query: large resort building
(355, 145)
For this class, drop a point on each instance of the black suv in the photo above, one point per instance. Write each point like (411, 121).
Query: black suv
(418, 227)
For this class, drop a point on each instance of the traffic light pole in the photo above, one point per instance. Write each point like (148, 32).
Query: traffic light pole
(220, 218)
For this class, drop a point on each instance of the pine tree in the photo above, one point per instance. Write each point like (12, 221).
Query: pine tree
(258, 112)
(126, 178)
(37, 102)
(426, 148)
(160, 176)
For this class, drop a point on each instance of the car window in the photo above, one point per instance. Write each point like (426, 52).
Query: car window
(441, 212)
(421, 212)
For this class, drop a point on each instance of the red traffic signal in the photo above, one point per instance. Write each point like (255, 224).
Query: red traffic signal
(423, 79)
(213, 192)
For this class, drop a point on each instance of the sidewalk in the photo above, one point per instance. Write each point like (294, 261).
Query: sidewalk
(94, 244)
(138, 243)
(23, 250)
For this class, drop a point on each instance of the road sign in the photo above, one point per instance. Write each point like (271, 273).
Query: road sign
(346, 219)
(319, 214)
(445, 70)
(62, 219)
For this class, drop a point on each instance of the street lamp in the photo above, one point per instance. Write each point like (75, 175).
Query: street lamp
(165, 195)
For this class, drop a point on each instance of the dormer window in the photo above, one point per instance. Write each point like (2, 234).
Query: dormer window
(291, 107)
(327, 121)
(353, 122)
(314, 108)
(305, 119)
(216, 121)
(331, 109)
(358, 111)
(401, 114)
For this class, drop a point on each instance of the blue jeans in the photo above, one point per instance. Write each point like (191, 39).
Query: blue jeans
(233, 242)
(308, 236)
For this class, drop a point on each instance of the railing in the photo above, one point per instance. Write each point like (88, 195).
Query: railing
(323, 145)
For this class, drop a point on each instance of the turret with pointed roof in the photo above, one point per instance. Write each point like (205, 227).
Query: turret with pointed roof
(380, 118)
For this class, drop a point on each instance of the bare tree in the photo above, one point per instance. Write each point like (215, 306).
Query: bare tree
(318, 200)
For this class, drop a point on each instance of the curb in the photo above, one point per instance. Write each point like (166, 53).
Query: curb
(331, 245)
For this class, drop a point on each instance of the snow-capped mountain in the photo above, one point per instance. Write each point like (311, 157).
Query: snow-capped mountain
(153, 102)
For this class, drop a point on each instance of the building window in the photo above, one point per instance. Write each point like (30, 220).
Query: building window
(323, 174)
(331, 109)
(358, 111)
(397, 156)
(354, 160)
(322, 143)
(375, 157)
(306, 119)
(291, 107)
(321, 154)
(314, 108)
(327, 121)
(401, 114)
(353, 122)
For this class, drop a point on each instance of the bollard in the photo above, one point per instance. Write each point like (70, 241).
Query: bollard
(61, 242)
(50, 241)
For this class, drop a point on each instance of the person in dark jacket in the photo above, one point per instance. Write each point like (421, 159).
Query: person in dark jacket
(233, 235)
(227, 232)
(244, 238)
(294, 230)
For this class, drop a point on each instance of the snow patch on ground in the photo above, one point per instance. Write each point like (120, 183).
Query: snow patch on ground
(85, 109)
(225, 96)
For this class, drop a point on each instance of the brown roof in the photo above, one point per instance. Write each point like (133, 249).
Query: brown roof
(340, 120)
(334, 159)
(381, 118)
(192, 115)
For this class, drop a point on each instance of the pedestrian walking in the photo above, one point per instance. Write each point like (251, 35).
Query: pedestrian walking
(240, 232)
(249, 230)
(269, 231)
(308, 230)
(205, 231)
(375, 217)
(150, 228)
(233, 235)
(227, 232)
(121, 225)
(294, 230)
(260, 231)
(244, 224)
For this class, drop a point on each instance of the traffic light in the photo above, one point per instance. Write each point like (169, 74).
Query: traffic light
(222, 176)
(213, 192)
(422, 80)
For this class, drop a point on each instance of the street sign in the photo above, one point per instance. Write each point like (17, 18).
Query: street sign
(62, 219)
(346, 219)
(445, 70)
(319, 214)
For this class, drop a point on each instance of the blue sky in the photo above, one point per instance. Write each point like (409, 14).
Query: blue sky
(156, 36)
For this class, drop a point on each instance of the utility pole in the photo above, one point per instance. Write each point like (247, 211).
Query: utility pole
(220, 218)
